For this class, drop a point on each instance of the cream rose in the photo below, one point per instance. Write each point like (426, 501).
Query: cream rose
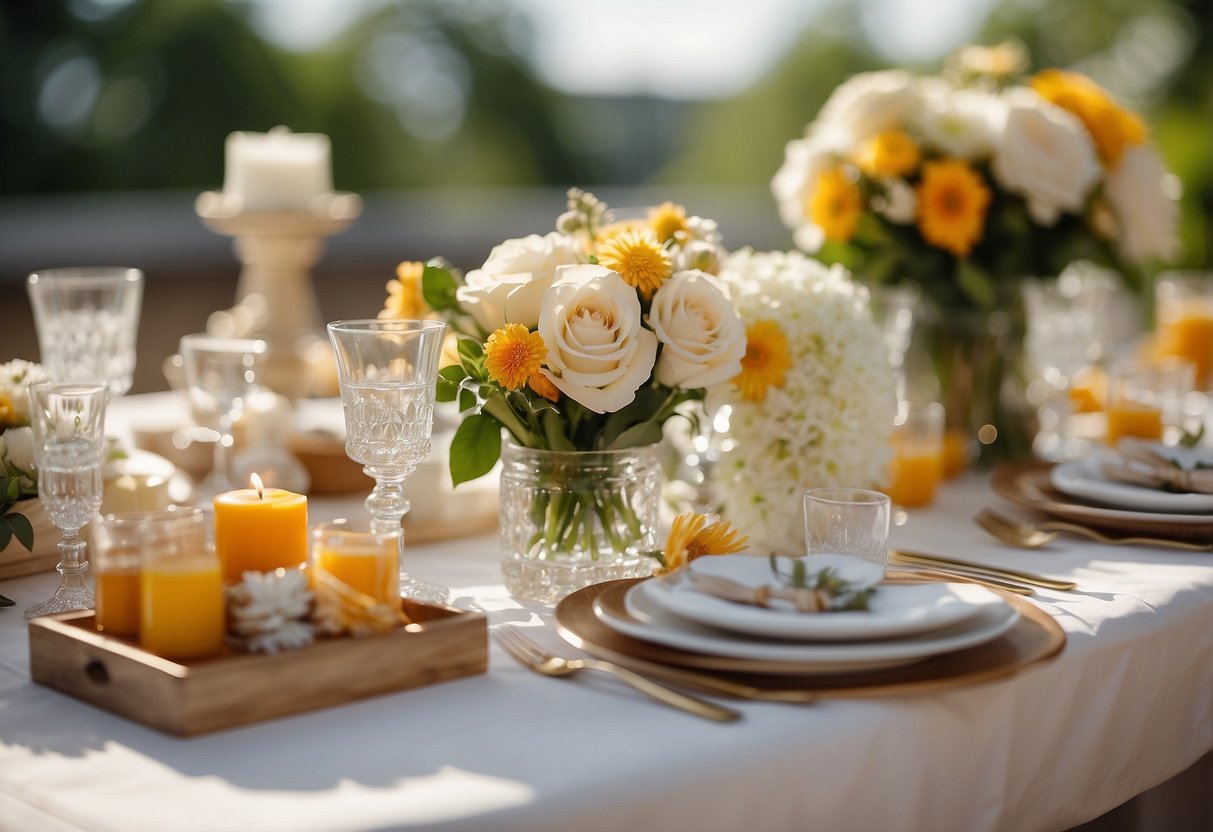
(1046, 155)
(703, 337)
(598, 352)
(17, 447)
(510, 286)
(869, 102)
(1144, 198)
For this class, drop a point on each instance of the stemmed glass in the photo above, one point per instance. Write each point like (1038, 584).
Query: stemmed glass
(387, 371)
(68, 420)
(893, 309)
(220, 374)
(87, 321)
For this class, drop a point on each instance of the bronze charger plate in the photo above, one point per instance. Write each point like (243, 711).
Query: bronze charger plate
(1027, 484)
(1034, 639)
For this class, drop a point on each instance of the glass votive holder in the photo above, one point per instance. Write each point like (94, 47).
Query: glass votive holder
(365, 560)
(917, 444)
(181, 610)
(1146, 400)
(847, 521)
(1183, 304)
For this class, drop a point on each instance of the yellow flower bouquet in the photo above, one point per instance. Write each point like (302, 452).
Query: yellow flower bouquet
(579, 345)
(967, 181)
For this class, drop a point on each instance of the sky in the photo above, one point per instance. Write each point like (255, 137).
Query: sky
(683, 49)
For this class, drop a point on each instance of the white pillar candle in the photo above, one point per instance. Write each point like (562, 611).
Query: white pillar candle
(278, 170)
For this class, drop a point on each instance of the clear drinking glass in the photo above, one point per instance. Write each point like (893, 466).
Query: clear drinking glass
(1184, 310)
(847, 521)
(917, 464)
(893, 309)
(1146, 400)
(387, 372)
(87, 321)
(359, 557)
(68, 420)
(220, 374)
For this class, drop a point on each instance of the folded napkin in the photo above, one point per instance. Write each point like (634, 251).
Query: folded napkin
(1138, 464)
(803, 599)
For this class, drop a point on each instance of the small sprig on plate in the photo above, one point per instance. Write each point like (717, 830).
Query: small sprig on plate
(831, 592)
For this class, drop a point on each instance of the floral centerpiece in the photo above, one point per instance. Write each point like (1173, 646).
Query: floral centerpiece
(965, 182)
(18, 480)
(580, 344)
(814, 404)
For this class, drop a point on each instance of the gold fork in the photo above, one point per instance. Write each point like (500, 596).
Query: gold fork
(535, 658)
(1033, 536)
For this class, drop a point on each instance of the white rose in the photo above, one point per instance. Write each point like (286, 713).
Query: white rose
(598, 352)
(960, 123)
(703, 336)
(1145, 199)
(1046, 155)
(510, 286)
(867, 103)
(17, 447)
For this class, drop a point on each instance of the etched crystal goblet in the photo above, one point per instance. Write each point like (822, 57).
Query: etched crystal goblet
(68, 420)
(220, 374)
(387, 371)
(87, 321)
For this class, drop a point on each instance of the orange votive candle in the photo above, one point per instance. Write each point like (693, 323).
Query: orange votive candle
(1130, 418)
(181, 607)
(372, 569)
(118, 600)
(260, 530)
(915, 472)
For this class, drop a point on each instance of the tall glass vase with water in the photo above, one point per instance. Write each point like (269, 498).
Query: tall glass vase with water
(68, 420)
(387, 370)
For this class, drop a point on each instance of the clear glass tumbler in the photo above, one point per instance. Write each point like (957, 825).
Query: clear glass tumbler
(88, 321)
(847, 521)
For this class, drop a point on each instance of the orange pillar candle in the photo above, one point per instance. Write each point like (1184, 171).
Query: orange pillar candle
(1128, 418)
(914, 473)
(260, 529)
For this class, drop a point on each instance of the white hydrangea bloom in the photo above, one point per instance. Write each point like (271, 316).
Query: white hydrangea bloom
(830, 422)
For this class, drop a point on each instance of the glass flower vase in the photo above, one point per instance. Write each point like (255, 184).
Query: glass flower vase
(573, 518)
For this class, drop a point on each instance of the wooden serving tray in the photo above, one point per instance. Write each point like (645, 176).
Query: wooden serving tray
(193, 697)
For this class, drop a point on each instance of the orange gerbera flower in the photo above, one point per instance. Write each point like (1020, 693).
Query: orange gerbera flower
(766, 360)
(542, 385)
(889, 153)
(836, 205)
(639, 258)
(667, 220)
(952, 203)
(691, 537)
(513, 354)
(404, 298)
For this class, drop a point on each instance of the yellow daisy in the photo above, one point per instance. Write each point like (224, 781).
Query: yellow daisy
(667, 221)
(513, 354)
(1112, 127)
(691, 538)
(766, 360)
(952, 203)
(836, 205)
(638, 258)
(404, 298)
(542, 385)
(889, 153)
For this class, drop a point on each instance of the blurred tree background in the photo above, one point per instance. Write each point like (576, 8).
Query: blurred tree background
(100, 95)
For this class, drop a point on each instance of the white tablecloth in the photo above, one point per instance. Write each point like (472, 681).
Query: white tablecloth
(1127, 705)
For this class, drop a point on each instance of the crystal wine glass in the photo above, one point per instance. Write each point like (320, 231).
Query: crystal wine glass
(387, 370)
(87, 321)
(69, 434)
(220, 374)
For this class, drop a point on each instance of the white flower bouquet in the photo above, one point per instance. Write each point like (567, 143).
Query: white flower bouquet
(18, 480)
(814, 406)
(967, 181)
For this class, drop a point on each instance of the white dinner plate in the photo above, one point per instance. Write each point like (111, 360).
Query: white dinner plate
(894, 611)
(1084, 478)
(649, 621)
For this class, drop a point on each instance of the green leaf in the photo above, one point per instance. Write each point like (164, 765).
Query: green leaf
(475, 448)
(976, 282)
(6, 534)
(438, 287)
(13, 489)
(647, 432)
(471, 351)
(6, 602)
(22, 529)
(448, 382)
(467, 399)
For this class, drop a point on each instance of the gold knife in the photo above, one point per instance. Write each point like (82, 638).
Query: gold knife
(981, 569)
(942, 573)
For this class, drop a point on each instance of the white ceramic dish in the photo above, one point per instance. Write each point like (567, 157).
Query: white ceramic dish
(649, 621)
(1084, 478)
(894, 611)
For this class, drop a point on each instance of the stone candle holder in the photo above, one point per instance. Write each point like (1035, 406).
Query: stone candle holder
(278, 250)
